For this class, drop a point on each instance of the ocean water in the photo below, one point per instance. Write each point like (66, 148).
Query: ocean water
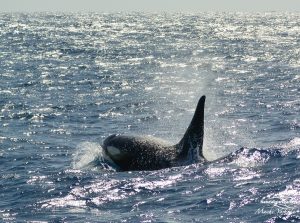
(67, 81)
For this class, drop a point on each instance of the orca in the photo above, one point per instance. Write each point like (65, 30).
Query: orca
(137, 153)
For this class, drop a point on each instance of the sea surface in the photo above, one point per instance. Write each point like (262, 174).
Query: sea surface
(67, 81)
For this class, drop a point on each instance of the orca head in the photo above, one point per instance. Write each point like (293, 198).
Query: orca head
(114, 149)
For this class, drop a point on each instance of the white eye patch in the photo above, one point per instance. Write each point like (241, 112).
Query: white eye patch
(114, 152)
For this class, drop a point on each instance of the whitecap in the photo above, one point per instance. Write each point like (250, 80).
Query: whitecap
(292, 144)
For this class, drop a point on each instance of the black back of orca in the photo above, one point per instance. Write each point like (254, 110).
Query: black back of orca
(138, 153)
(143, 153)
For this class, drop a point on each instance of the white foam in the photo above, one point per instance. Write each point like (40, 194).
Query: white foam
(294, 143)
(86, 154)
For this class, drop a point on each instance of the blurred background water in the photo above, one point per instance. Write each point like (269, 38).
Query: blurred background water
(67, 81)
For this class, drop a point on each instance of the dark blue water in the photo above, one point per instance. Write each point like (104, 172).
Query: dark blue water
(67, 81)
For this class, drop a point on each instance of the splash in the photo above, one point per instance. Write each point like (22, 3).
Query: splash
(293, 144)
(88, 155)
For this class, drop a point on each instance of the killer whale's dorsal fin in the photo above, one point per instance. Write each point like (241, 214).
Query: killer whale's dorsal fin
(192, 142)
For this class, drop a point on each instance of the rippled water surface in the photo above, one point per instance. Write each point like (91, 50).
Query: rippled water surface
(67, 81)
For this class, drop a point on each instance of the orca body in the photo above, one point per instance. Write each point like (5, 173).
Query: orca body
(144, 153)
